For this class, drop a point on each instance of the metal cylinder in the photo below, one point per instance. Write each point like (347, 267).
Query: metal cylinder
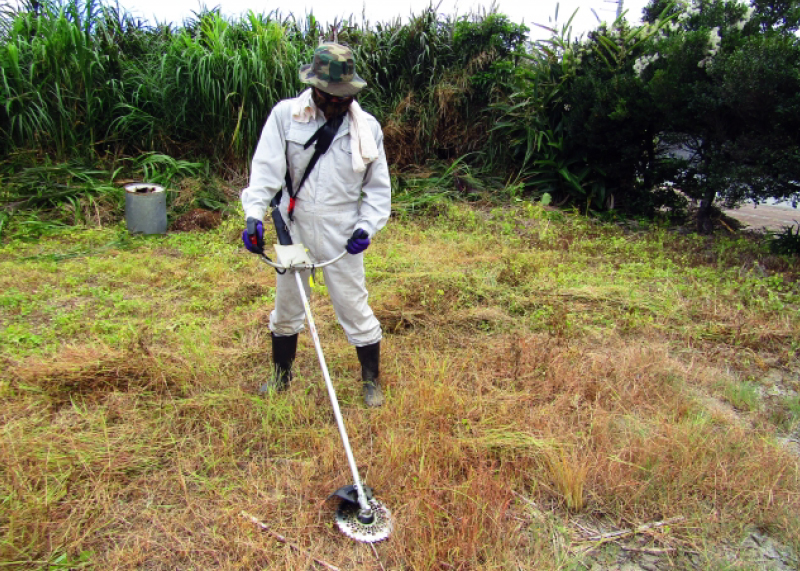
(145, 208)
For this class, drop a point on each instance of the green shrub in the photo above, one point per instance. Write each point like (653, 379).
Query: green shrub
(786, 242)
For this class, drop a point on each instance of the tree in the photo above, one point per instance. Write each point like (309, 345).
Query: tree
(609, 118)
(727, 83)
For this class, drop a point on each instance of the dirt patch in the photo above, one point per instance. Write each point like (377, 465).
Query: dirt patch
(766, 216)
(759, 548)
(197, 220)
(652, 548)
(248, 293)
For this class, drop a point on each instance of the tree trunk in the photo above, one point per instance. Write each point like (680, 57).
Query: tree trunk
(704, 223)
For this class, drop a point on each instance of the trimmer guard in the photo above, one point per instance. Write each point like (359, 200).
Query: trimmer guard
(350, 493)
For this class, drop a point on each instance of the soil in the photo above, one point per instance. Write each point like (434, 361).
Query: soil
(197, 220)
(758, 551)
(645, 550)
(773, 217)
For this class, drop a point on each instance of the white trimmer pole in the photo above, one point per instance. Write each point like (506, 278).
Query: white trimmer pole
(367, 520)
(362, 498)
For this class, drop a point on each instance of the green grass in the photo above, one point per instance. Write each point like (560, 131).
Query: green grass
(546, 376)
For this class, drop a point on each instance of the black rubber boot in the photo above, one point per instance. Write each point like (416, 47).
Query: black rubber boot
(283, 351)
(370, 358)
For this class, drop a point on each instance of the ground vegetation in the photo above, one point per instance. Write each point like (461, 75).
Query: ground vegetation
(561, 393)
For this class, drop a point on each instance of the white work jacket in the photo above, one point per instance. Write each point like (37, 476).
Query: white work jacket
(333, 184)
(331, 204)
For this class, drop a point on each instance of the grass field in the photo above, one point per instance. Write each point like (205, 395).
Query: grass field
(561, 394)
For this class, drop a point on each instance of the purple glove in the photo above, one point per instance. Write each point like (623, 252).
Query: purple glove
(253, 237)
(358, 242)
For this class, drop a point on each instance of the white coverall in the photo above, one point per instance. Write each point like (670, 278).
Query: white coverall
(334, 201)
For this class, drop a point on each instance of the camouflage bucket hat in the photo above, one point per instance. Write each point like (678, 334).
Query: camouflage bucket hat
(333, 71)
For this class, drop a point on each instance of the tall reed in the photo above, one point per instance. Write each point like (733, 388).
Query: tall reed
(220, 80)
(57, 84)
(82, 77)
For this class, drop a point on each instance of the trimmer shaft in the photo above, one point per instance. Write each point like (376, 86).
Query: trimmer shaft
(350, 524)
(359, 516)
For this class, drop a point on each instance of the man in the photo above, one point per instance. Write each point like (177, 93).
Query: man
(339, 200)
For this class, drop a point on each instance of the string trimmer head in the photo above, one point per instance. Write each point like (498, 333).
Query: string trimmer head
(367, 526)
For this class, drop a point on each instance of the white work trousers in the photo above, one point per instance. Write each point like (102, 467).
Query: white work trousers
(324, 232)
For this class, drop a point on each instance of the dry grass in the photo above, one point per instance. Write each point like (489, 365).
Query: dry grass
(526, 394)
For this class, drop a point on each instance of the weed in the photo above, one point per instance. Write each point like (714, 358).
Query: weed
(64, 561)
(743, 395)
(569, 478)
(786, 242)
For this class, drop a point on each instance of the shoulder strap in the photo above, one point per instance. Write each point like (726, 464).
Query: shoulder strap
(323, 138)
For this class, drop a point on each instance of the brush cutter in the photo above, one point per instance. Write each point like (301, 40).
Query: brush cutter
(359, 515)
